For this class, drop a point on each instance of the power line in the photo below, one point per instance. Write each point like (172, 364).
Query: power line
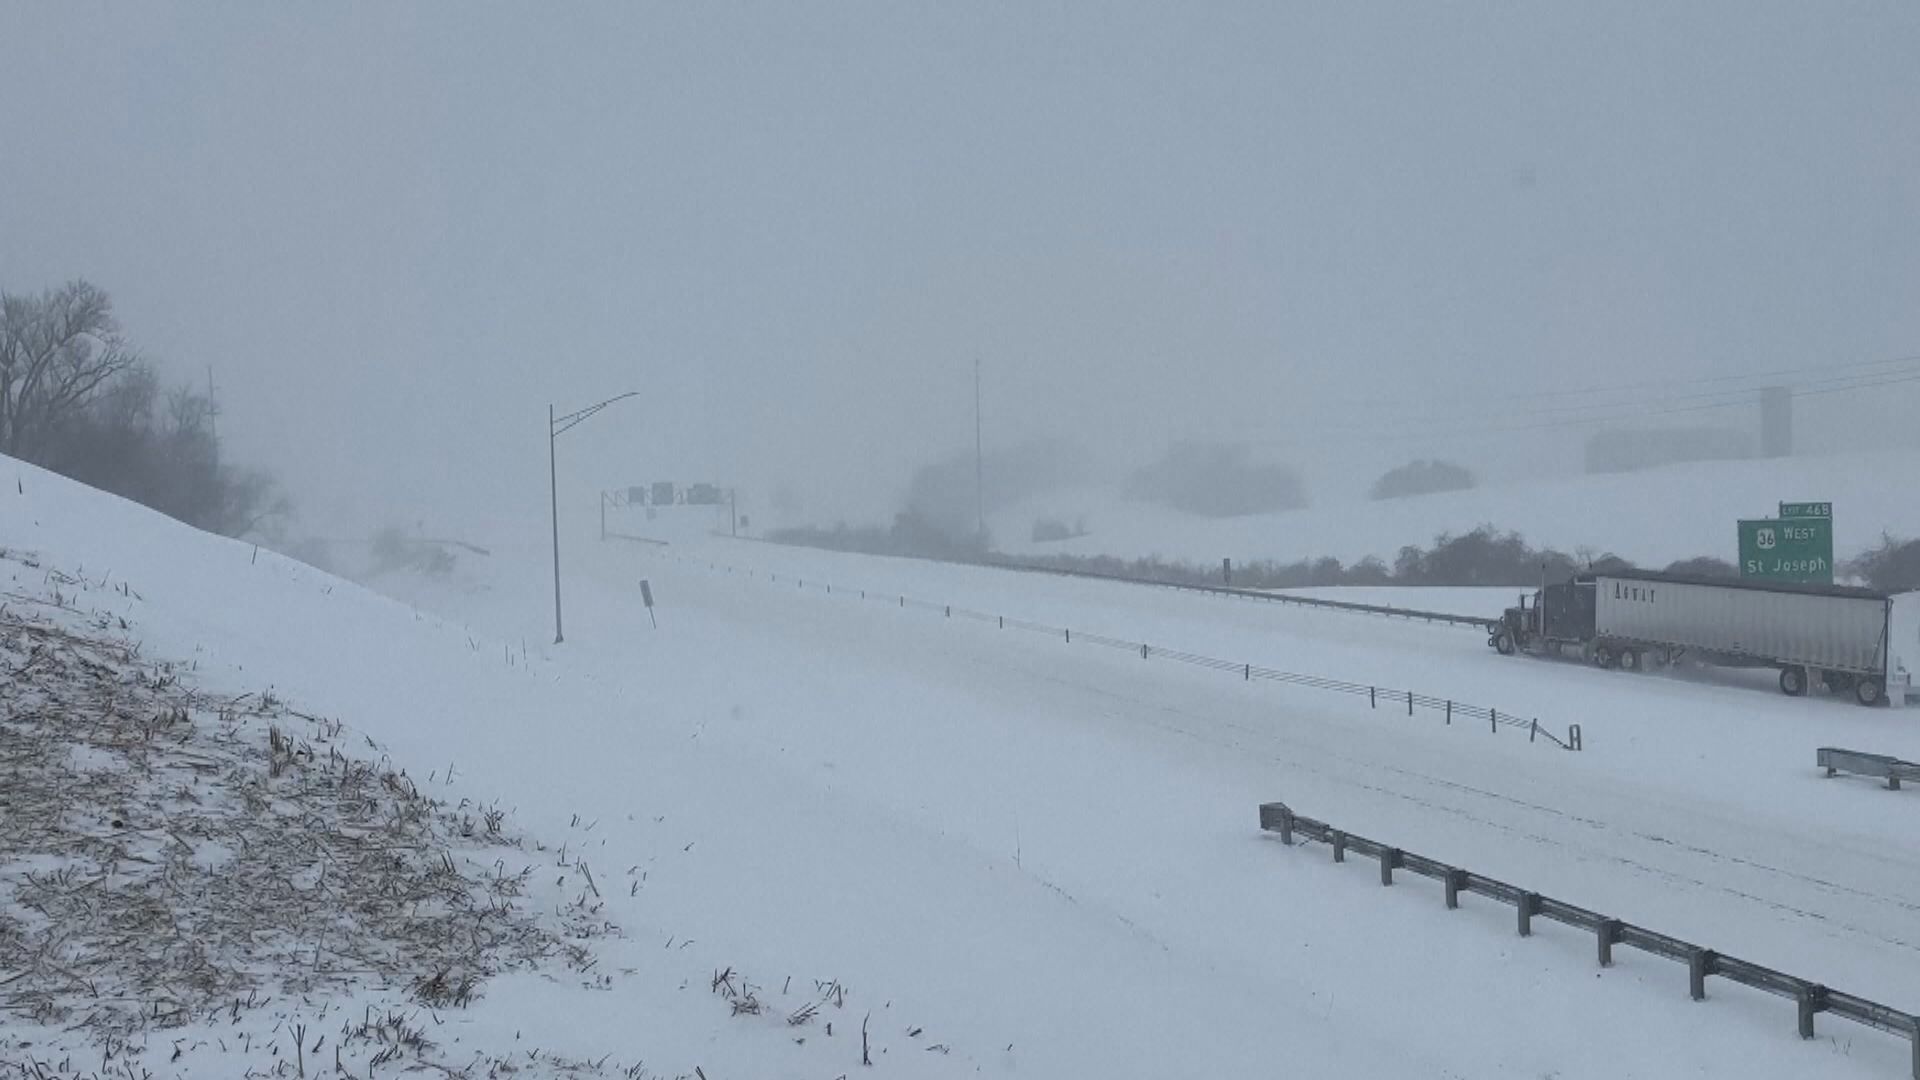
(1602, 412)
(1896, 362)
(1375, 434)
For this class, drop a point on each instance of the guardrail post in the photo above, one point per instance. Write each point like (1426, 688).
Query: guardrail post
(1409, 703)
(1389, 858)
(1449, 713)
(1699, 966)
(1143, 652)
(1248, 675)
(1607, 933)
(1573, 736)
(1493, 720)
(1339, 841)
(1003, 622)
(1456, 880)
(1811, 998)
(1533, 730)
(1373, 701)
(1069, 633)
(1528, 905)
(1916, 1048)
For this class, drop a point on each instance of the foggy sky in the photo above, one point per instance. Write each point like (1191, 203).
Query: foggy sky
(397, 232)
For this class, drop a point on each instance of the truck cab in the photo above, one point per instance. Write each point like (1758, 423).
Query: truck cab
(1548, 619)
(1903, 649)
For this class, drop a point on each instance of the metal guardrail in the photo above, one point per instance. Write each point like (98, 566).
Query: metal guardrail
(1377, 696)
(1479, 622)
(637, 539)
(1810, 998)
(1482, 622)
(1859, 762)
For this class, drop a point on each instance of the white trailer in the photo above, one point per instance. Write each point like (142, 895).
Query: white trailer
(1853, 640)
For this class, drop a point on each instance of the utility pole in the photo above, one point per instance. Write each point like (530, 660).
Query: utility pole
(553, 492)
(979, 459)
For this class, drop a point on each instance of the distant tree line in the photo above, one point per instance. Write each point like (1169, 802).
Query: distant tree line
(1892, 566)
(1484, 556)
(950, 494)
(1217, 480)
(1422, 478)
(76, 398)
(911, 534)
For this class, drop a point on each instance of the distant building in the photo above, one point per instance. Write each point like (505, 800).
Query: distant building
(1776, 422)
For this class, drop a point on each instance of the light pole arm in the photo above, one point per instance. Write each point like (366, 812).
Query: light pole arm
(556, 427)
(560, 425)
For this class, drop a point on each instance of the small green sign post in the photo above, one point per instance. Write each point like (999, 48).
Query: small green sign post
(1807, 510)
(1788, 549)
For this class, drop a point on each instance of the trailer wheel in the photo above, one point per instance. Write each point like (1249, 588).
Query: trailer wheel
(1793, 681)
(1869, 691)
(1503, 643)
(1629, 660)
(1603, 655)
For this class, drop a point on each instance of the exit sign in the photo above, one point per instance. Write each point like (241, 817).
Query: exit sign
(1807, 510)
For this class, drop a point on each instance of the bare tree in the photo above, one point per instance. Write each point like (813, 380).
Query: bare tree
(57, 350)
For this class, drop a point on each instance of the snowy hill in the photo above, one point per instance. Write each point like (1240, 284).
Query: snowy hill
(1653, 517)
(832, 828)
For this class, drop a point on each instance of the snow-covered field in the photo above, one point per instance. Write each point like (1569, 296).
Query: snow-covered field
(1653, 517)
(1024, 857)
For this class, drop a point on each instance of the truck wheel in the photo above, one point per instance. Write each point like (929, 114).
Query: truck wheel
(1793, 681)
(1503, 643)
(1868, 691)
(1629, 660)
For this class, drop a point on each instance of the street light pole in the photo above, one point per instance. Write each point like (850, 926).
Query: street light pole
(553, 492)
(979, 460)
(556, 427)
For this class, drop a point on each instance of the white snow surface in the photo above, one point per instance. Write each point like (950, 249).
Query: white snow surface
(1653, 517)
(1044, 857)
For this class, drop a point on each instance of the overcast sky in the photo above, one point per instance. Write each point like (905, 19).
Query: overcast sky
(396, 232)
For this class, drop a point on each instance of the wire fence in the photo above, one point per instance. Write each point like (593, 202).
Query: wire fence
(1810, 998)
(1450, 711)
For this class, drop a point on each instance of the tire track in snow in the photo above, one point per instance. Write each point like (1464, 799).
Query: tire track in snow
(1579, 850)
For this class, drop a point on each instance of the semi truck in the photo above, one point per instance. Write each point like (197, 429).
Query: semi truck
(1854, 641)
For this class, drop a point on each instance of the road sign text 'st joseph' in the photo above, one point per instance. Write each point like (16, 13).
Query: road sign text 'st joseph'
(1787, 549)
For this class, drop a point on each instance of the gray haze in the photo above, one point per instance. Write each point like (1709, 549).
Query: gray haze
(396, 232)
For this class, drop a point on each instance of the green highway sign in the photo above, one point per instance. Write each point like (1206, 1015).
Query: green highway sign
(1807, 510)
(1790, 549)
